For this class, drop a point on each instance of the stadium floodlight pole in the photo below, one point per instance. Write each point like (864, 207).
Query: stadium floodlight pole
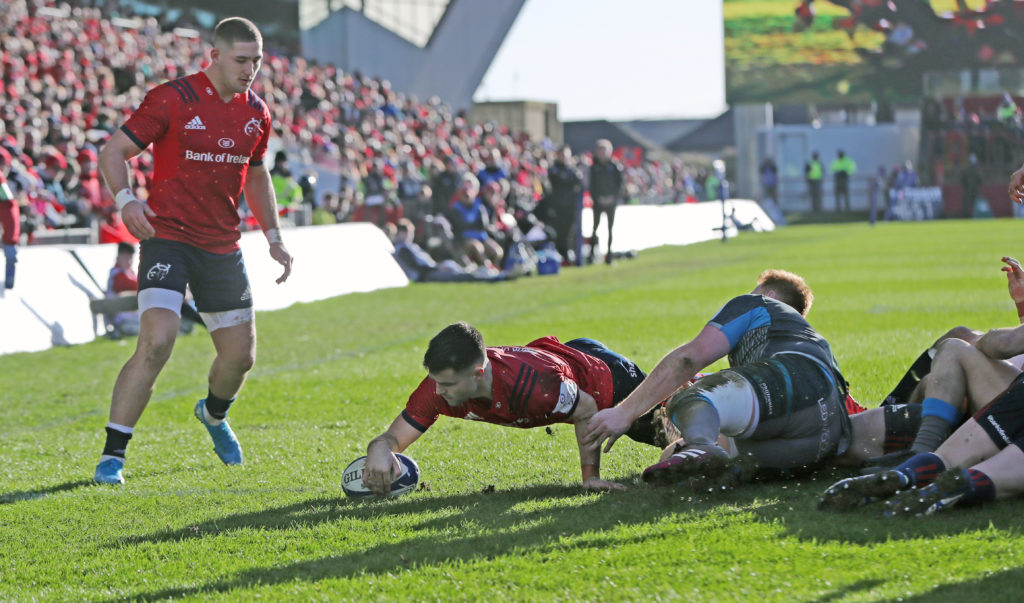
(723, 192)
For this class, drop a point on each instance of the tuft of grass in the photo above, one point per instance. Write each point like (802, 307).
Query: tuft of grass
(330, 375)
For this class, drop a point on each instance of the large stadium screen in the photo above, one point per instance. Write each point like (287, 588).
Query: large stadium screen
(855, 51)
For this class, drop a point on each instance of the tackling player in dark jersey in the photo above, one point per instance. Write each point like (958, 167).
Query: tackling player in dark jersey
(781, 401)
(209, 134)
(541, 383)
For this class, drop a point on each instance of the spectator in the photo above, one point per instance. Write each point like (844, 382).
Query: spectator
(412, 193)
(10, 224)
(122, 280)
(813, 173)
(562, 203)
(842, 168)
(421, 267)
(971, 180)
(606, 187)
(769, 174)
(1008, 112)
(493, 171)
(444, 184)
(287, 189)
(471, 225)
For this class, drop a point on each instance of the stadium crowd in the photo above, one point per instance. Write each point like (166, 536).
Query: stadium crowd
(347, 146)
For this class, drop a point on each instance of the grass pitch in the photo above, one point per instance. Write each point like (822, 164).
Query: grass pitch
(331, 375)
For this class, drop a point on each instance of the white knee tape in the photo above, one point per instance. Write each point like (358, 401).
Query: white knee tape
(167, 299)
(736, 403)
(229, 318)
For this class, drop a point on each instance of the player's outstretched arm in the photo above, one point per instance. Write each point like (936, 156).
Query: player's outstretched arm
(1017, 186)
(382, 466)
(259, 192)
(674, 370)
(113, 164)
(590, 455)
(1003, 343)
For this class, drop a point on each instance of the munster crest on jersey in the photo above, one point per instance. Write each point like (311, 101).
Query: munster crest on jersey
(253, 126)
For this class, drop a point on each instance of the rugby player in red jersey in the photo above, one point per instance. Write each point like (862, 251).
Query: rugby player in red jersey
(541, 383)
(209, 134)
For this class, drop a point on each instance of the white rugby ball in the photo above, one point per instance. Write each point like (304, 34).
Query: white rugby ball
(352, 478)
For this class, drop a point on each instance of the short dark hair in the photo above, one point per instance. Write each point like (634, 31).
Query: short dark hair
(458, 347)
(236, 29)
(790, 289)
(125, 248)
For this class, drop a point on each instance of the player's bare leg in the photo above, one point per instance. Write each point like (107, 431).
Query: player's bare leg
(868, 436)
(236, 354)
(158, 328)
(958, 371)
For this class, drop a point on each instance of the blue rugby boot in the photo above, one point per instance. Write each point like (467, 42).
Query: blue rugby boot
(108, 471)
(225, 444)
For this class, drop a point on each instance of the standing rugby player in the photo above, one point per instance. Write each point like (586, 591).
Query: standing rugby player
(209, 134)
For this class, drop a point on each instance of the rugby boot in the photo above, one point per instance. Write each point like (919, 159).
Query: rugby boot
(697, 460)
(853, 492)
(108, 471)
(945, 492)
(225, 444)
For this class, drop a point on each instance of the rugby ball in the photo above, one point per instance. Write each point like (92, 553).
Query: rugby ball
(352, 478)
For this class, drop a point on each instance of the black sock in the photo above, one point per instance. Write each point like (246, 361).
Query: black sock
(901, 393)
(217, 407)
(117, 441)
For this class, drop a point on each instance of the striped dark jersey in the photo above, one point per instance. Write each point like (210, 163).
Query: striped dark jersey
(537, 384)
(202, 150)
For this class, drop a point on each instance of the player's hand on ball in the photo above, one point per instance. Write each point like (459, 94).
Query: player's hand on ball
(134, 215)
(596, 483)
(281, 256)
(607, 424)
(380, 471)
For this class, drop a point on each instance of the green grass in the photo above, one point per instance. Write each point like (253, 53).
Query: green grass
(332, 374)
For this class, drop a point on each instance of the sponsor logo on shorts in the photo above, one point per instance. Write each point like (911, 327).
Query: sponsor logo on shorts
(216, 157)
(158, 272)
(998, 428)
(226, 143)
(247, 295)
(767, 397)
(823, 441)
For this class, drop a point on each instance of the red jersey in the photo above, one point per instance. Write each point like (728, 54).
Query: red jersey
(534, 385)
(120, 281)
(202, 149)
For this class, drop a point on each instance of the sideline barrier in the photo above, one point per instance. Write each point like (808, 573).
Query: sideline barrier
(645, 226)
(49, 304)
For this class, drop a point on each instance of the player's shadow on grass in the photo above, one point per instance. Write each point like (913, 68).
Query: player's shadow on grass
(470, 527)
(13, 497)
(796, 510)
(324, 510)
(998, 586)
